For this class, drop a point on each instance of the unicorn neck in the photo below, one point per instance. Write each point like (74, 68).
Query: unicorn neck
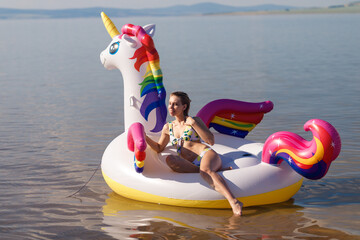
(144, 92)
(142, 102)
(132, 100)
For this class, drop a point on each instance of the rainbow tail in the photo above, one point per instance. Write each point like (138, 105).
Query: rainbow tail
(310, 159)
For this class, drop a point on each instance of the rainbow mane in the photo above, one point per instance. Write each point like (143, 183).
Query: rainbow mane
(152, 87)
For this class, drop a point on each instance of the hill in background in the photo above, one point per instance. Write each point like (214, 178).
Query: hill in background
(179, 10)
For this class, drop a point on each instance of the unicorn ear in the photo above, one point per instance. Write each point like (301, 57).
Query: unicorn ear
(131, 42)
(150, 29)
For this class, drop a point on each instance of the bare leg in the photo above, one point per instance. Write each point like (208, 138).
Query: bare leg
(210, 164)
(180, 165)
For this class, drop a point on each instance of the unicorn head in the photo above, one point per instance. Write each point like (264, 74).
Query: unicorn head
(133, 52)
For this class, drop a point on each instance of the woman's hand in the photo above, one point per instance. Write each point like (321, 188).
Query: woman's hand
(199, 126)
(190, 121)
(163, 141)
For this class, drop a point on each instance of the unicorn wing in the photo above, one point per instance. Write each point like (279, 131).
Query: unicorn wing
(233, 117)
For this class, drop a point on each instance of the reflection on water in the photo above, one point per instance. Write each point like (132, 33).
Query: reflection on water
(128, 219)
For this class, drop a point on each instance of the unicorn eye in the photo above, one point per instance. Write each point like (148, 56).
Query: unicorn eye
(114, 48)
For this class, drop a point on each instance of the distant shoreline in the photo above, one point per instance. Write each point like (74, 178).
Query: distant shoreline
(355, 9)
(207, 9)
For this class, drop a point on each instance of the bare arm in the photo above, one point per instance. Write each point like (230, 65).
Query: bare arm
(201, 128)
(163, 141)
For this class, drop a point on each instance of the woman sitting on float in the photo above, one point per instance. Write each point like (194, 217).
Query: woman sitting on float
(192, 156)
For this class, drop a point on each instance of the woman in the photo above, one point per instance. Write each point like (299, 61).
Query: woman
(192, 156)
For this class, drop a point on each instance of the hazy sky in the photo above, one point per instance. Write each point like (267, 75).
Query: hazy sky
(57, 4)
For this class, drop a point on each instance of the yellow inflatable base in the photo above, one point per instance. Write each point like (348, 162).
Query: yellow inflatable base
(277, 196)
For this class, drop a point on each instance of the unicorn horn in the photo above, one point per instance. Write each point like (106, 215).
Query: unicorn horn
(109, 25)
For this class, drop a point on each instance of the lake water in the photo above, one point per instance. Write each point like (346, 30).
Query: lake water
(60, 109)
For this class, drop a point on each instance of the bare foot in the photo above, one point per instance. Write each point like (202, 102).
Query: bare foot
(237, 207)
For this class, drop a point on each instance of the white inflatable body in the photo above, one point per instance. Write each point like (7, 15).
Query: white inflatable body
(259, 172)
(251, 181)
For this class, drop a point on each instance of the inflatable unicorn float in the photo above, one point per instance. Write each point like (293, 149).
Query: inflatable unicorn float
(261, 173)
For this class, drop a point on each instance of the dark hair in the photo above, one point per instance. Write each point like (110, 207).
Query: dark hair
(184, 100)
